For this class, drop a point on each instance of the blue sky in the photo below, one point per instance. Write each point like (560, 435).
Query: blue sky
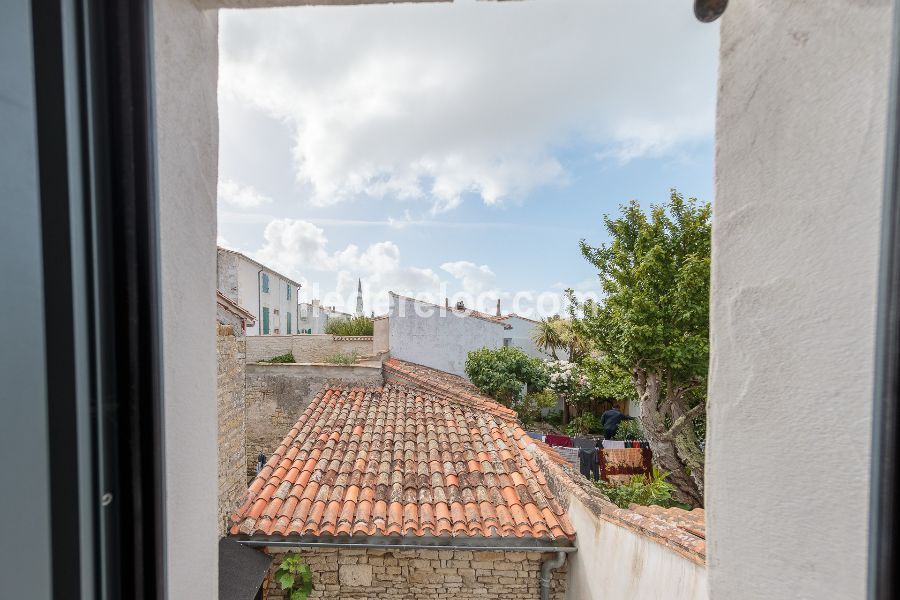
(455, 149)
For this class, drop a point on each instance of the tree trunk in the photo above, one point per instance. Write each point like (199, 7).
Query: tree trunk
(666, 449)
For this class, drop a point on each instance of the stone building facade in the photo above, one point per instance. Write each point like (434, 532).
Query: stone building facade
(231, 420)
(356, 573)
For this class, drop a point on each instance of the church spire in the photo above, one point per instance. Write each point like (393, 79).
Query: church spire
(359, 302)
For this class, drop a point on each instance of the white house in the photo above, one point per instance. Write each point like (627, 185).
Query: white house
(438, 336)
(313, 317)
(266, 293)
(521, 335)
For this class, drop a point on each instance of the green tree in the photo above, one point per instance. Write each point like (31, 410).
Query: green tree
(505, 373)
(653, 323)
(361, 325)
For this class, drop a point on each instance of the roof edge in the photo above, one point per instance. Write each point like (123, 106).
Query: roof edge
(561, 544)
(466, 312)
(259, 264)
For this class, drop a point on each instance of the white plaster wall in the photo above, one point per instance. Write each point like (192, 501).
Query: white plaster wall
(185, 62)
(248, 292)
(381, 332)
(440, 339)
(616, 563)
(796, 224)
(520, 334)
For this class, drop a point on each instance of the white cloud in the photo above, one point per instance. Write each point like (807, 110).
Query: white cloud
(299, 249)
(302, 251)
(238, 195)
(435, 102)
(475, 279)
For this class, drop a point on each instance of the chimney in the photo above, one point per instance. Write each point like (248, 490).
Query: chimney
(460, 305)
(446, 302)
(498, 308)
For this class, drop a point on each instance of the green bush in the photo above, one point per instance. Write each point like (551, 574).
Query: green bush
(645, 490)
(586, 423)
(530, 408)
(630, 430)
(295, 577)
(554, 417)
(361, 325)
(342, 359)
(281, 358)
(504, 373)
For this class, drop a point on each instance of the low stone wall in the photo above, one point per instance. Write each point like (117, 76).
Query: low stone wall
(423, 574)
(277, 394)
(231, 422)
(306, 348)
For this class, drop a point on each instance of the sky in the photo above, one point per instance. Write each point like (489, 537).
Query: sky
(456, 150)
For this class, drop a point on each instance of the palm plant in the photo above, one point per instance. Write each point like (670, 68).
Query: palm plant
(547, 336)
(555, 333)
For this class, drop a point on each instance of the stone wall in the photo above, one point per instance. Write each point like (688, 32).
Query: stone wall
(226, 317)
(231, 423)
(424, 574)
(306, 348)
(277, 394)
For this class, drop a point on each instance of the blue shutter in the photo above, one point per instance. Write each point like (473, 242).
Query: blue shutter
(266, 321)
(289, 320)
(289, 295)
(265, 282)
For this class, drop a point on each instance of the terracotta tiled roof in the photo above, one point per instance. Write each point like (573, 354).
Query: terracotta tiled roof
(234, 308)
(397, 461)
(447, 385)
(683, 531)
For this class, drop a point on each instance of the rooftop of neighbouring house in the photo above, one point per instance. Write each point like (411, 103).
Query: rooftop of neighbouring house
(258, 264)
(234, 308)
(516, 316)
(456, 388)
(401, 461)
(465, 311)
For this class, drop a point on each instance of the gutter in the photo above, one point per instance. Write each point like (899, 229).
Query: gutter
(432, 543)
(259, 306)
(547, 568)
(394, 544)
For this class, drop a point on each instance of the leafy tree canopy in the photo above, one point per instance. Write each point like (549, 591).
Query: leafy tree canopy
(653, 325)
(654, 275)
(503, 373)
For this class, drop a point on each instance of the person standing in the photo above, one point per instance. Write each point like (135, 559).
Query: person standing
(610, 421)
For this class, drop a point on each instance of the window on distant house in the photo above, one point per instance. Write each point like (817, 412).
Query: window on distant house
(265, 283)
(289, 319)
(507, 341)
(265, 323)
